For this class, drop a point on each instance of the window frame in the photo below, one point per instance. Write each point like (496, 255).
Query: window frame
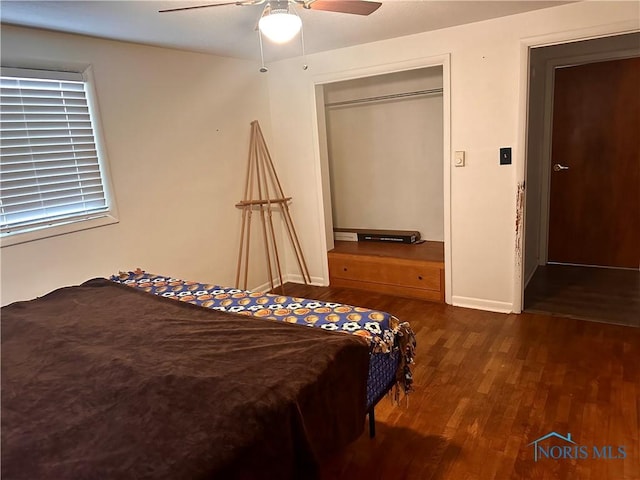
(63, 227)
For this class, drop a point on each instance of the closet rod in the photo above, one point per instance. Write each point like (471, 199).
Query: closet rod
(385, 97)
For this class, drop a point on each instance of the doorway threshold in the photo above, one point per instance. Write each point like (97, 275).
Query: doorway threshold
(606, 295)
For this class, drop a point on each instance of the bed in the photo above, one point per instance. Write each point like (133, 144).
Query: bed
(391, 342)
(105, 381)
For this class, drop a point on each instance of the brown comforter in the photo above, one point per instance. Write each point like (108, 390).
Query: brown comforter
(100, 381)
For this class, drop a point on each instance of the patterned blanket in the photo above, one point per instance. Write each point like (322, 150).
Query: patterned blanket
(384, 332)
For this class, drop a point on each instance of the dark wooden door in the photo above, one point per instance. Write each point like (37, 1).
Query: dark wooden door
(594, 216)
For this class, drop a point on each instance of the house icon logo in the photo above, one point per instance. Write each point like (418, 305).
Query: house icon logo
(545, 452)
(555, 446)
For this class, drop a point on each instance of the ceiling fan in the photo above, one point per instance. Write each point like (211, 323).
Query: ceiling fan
(357, 7)
(280, 25)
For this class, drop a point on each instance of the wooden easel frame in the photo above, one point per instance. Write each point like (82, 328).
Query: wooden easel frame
(262, 175)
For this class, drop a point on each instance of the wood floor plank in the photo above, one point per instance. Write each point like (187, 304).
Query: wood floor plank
(487, 385)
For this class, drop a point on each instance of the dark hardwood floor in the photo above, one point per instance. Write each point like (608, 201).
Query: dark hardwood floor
(587, 293)
(489, 384)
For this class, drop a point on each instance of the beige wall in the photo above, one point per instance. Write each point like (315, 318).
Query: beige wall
(488, 78)
(176, 127)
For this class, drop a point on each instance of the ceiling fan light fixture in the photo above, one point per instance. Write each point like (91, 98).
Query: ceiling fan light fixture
(279, 25)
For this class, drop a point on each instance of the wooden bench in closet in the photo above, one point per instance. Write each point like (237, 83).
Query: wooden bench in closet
(404, 270)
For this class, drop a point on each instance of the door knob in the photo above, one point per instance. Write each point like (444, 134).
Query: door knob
(557, 167)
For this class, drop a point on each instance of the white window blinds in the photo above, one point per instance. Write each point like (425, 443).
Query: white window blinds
(49, 166)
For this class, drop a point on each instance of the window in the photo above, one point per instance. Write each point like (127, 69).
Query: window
(53, 176)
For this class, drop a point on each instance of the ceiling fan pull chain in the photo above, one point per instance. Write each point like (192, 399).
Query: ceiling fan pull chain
(263, 69)
(304, 55)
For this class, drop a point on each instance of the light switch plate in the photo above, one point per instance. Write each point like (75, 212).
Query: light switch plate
(505, 156)
(458, 158)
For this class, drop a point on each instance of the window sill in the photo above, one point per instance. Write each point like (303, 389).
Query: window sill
(54, 231)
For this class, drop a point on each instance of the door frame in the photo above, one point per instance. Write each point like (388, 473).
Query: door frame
(526, 44)
(321, 153)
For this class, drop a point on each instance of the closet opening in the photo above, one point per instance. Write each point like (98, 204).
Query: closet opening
(382, 149)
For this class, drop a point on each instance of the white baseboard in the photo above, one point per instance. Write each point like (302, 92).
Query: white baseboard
(480, 304)
(292, 277)
(297, 278)
(265, 287)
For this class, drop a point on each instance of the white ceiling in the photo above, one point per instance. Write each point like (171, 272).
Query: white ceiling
(230, 30)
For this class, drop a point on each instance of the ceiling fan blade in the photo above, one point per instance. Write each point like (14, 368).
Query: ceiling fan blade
(357, 7)
(200, 6)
